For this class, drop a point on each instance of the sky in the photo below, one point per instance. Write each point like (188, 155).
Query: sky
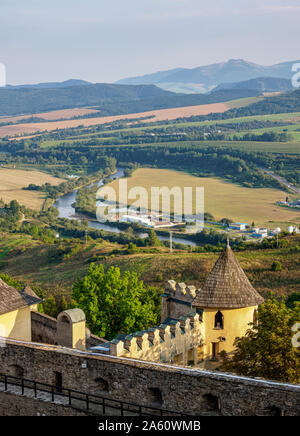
(103, 41)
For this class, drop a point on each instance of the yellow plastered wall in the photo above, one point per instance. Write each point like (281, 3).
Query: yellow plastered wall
(16, 324)
(235, 324)
(78, 336)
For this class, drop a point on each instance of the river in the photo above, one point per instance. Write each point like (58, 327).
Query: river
(66, 210)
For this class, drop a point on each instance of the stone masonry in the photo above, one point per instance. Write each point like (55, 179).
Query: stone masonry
(175, 388)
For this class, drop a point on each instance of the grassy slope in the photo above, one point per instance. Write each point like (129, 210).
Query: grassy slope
(39, 266)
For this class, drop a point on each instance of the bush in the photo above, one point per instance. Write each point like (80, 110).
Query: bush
(276, 266)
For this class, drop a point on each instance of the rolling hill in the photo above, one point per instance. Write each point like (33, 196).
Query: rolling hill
(110, 99)
(22, 100)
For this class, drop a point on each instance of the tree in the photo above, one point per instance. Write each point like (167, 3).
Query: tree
(49, 307)
(266, 350)
(152, 239)
(293, 299)
(115, 303)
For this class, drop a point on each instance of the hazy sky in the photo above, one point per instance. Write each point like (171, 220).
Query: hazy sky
(103, 41)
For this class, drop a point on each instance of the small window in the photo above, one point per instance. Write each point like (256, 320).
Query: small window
(219, 320)
(211, 403)
(155, 397)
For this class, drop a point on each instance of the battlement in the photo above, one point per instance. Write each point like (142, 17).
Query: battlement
(162, 343)
(180, 290)
(177, 300)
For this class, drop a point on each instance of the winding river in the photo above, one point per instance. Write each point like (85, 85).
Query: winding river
(66, 210)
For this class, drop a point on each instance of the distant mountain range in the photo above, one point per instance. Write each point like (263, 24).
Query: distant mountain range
(261, 84)
(206, 78)
(47, 85)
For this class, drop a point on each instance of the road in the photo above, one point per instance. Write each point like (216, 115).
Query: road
(282, 180)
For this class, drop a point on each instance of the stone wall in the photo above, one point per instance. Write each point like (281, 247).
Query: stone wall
(174, 388)
(43, 328)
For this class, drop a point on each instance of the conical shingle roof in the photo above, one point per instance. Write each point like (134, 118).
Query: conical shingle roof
(227, 286)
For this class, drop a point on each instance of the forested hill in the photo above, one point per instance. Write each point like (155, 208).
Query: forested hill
(110, 99)
(283, 103)
(14, 101)
(289, 102)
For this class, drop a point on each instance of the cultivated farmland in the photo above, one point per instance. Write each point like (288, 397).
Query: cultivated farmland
(12, 181)
(222, 199)
(157, 115)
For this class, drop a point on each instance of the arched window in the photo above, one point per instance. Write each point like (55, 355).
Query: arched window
(16, 371)
(155, 397)
(210, 404)
(65, 319)
(219, 320)
(273, 411)
(101, 384)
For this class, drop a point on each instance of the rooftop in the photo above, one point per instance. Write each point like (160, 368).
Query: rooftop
(227, 286)
(11, 299)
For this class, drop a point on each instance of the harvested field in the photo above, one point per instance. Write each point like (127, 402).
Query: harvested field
(157, 115)
(12, 181)
(222, 199)
(53, 115)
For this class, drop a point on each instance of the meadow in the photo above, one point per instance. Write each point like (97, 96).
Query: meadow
(13, 180)
(222, 199)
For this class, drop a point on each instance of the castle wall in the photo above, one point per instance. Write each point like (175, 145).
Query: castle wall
(43, 328)
(183, 390)
(171, 342)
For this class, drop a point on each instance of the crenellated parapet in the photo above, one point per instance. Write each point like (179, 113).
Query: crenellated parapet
(163, 343)
(180, 290)
(177, 300)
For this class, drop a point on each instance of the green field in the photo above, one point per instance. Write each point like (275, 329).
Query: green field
(273, 147)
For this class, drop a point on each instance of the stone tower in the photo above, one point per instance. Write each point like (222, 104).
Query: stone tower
(177, 300)
(228, 303)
